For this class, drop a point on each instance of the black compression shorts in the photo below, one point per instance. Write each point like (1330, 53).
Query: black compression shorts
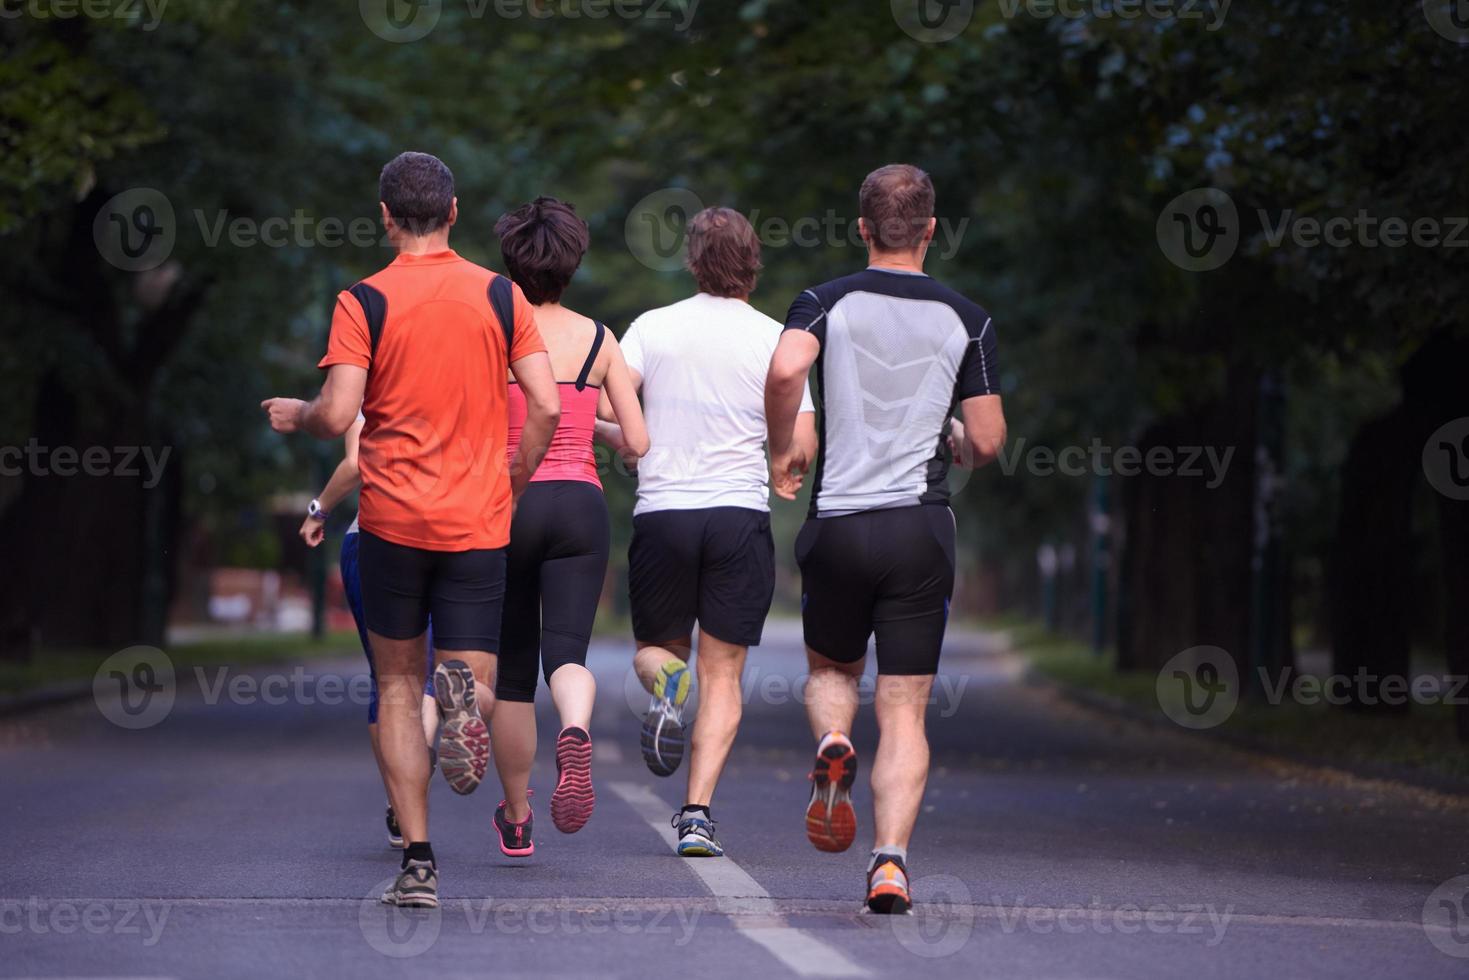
(885, 571)
(557, 565)
(463, 590)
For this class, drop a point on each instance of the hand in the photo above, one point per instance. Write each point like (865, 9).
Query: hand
(284, 413)
(313, 531)
(788, 473)
(958, 445)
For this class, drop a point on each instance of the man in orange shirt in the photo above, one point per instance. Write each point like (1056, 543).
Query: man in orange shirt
(423, 348)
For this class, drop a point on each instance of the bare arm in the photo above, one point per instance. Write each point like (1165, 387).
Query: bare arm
(330, 414)
(605, 411)
(543, 413)
(622, 395)
(344, 479)
(792, 446)
(978, 439)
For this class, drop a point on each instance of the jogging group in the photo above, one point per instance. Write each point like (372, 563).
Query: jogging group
(470, 403)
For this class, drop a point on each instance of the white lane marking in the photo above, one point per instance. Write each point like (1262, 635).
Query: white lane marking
(752, 910)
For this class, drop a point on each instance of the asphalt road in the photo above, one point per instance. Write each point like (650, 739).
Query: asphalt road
(241, 836)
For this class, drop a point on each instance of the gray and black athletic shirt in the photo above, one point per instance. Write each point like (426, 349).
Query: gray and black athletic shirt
(899, 351)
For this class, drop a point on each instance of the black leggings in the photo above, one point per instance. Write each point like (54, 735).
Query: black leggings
(556, 566)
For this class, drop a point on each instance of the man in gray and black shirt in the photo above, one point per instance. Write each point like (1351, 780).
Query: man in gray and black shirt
(896, 355)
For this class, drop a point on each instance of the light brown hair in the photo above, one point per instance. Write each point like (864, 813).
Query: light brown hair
(724, 252)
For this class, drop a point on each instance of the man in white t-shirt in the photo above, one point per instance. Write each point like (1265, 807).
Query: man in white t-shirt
(702, 549)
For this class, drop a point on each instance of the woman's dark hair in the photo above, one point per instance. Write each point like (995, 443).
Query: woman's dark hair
(542, 243)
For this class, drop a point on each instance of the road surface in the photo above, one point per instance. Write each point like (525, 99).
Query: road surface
(241, 836)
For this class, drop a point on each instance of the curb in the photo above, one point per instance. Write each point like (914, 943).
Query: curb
(46, 697)
(1106, 704)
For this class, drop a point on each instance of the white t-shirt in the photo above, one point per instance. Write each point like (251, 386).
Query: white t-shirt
(704, 363)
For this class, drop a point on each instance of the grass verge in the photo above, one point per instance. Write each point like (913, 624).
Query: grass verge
(1419, 743)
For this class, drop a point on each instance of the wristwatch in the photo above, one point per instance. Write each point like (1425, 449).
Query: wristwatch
(313, 509)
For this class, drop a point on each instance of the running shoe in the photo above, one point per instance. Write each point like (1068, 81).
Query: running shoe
(395, 834)
(573, 800)
(515, 839)
(663, 738)
(831, 822)
(696, 835)
(464, 741)
(887, 886)
(416, 887)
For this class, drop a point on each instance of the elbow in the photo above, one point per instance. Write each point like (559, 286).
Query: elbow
(338, 421)
(639, 446)
(985, 448)
(549, 413)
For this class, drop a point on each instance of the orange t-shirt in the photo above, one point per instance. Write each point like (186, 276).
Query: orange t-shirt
(432, 455)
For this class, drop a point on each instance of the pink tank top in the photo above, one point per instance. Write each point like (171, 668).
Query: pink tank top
(571, 455)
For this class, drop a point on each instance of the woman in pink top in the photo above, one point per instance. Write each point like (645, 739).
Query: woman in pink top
(560, 538)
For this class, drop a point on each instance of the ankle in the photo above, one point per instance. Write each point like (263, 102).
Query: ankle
(517, 812)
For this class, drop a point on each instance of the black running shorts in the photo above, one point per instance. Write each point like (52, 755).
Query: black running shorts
(557, 565)
(889, 572)
(715, 565)
(463, 590)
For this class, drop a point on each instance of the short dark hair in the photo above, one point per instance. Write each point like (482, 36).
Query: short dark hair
(896, 202)
(542, 243)
(418, 189)
(724, 252)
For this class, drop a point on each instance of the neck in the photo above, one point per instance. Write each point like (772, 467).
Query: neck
(898, 261)
(743, 299)
(424, 244)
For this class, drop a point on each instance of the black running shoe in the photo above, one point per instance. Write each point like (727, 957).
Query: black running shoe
(416, 887)
(887, 886)
(395, 834)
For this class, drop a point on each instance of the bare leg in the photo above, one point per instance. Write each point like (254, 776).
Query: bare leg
(430, 721)
(652, 656)
(831, 694)
(401, 665)
(515, 754)
(719, 666)
(574, 691)
(900, 771)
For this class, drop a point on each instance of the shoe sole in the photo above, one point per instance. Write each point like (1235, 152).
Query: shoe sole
(516, 852)
(396, 843)
(831, 821)
(574, 798)
(412, 901)
(698, 850)
(662, 742)
(889, 902)
(464, 741)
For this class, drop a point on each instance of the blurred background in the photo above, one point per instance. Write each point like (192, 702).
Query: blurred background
(1224, 249)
